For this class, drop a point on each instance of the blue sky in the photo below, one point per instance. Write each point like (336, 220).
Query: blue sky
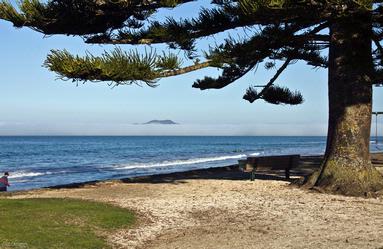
(34, 102)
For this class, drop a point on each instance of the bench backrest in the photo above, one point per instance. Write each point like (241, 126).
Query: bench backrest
(275, 162)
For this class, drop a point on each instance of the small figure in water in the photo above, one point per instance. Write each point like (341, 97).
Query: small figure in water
(4, 182)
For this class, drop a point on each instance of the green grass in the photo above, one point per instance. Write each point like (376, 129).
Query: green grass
(59, 223)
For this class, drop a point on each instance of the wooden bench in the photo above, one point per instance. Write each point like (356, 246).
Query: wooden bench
(286, 162)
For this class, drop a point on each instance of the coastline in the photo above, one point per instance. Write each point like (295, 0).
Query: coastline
(220, 208)
(307, 165)
(223, 172)
(38, 162)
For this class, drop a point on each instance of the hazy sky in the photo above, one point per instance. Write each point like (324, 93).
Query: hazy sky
(33, 102)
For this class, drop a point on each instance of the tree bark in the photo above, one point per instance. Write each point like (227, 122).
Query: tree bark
(347, 168)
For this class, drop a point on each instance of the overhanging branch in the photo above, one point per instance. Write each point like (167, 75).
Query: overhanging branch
(252, 95)
(184, 70)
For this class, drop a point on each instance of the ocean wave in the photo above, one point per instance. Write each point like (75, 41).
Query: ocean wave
(21, 174)
(180, 162)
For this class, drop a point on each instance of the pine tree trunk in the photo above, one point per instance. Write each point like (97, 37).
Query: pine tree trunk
(347, 168)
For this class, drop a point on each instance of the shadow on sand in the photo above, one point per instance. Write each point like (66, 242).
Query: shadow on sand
(307, 165)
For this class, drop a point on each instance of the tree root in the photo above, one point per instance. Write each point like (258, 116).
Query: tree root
(337, 178)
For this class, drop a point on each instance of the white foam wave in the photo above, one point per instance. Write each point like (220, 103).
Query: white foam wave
(21, 174)
(180, 162)
(255, 154)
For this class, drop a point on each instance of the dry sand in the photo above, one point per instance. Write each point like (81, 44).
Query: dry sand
(222, 209)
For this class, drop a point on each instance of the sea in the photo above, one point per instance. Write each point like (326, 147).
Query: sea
(43, 161)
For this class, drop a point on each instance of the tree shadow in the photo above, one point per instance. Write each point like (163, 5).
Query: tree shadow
(75, 185)
(231, 173)
(306, 166)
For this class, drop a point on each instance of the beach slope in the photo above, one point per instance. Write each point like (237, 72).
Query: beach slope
(221, 208)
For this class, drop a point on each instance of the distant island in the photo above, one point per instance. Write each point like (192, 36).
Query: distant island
(164, 122)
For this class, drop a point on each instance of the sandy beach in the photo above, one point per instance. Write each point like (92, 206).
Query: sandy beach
(221, 208)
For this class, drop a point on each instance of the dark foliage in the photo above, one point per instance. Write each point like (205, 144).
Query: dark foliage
(275, 30)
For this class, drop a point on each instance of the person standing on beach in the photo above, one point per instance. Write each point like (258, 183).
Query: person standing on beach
(4, 182)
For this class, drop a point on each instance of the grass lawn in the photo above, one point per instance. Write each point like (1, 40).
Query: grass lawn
(59, 223)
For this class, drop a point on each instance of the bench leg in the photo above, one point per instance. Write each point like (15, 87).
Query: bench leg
(252, 176)
(287, 173)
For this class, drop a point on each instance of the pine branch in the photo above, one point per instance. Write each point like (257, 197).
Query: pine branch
(230, 74)
(281, 95)
(184, 70)
(252, 95)
(80, 17)
(238, 58)
(183, 33)
(378, 45)
(118, 66)
(277, 95)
